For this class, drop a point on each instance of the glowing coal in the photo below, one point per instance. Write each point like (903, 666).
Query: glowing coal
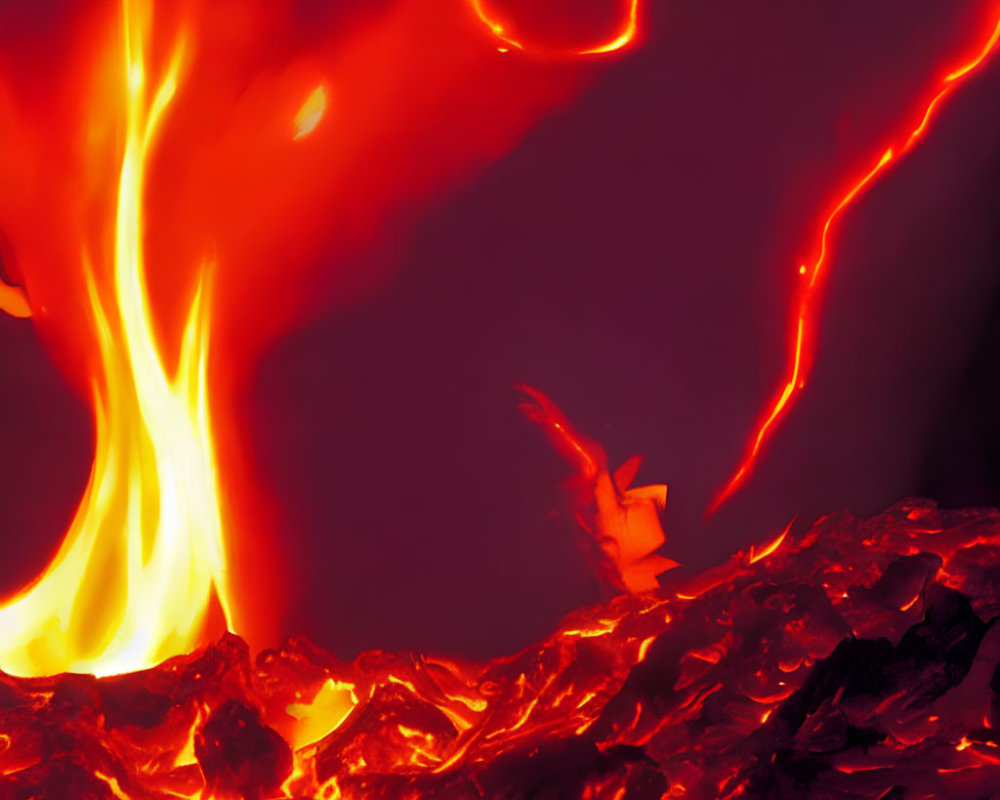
(858, 659)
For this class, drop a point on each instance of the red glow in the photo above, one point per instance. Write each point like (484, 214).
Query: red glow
(801, 345)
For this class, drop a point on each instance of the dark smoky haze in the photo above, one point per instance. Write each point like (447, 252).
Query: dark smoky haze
(633, 258)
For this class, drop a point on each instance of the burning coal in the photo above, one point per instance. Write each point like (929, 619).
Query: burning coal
(858, 659)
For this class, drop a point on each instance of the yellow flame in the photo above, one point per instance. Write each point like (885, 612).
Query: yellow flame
(311, 113)
(144, 556)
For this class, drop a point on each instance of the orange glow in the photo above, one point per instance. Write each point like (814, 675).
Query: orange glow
(144, 557)
(802, 341)
(13, 301)
(500, 30)
(311, 113)
(622, 39)
(622, 523)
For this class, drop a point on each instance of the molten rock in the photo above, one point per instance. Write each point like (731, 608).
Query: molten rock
(858, 660)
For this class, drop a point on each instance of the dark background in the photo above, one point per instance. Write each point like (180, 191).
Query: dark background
(633, 258)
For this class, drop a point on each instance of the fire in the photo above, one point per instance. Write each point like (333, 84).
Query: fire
(799, 354)
(144, 557)
(774, 669)
(796, 661)
(13, 301)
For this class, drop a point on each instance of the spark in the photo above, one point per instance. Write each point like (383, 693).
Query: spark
(802, 342)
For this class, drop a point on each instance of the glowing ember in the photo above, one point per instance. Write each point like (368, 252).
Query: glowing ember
(144, 169)
(501, 30)
(800, 675)
(805, 320)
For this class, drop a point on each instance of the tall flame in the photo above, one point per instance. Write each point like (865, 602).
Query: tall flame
(144, 558)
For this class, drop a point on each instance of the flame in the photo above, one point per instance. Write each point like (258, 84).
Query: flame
(802, 340)
(144, 557)
(332, 704)
(13, 301)
(311, 113)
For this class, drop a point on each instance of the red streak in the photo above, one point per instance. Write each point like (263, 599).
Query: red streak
(584, 455)
(801, 344)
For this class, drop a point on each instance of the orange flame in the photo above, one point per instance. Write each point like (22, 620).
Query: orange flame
(622, 522)
(802, 341)
(311, 113)
(144, 557)
(142, 572)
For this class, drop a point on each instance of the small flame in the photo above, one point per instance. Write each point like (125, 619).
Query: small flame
(135, 576)
(311, 113)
